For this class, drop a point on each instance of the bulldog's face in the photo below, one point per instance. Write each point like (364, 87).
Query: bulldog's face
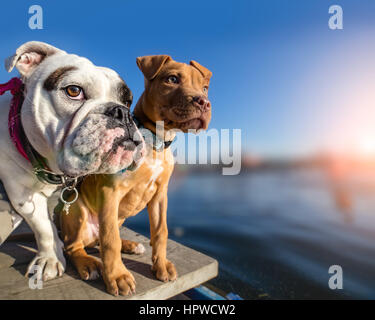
(76, 114)
(178, 92)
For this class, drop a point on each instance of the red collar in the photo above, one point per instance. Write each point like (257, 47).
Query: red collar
(15, 86)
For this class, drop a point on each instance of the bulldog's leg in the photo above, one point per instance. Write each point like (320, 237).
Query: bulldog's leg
(33, 208)
(157, 211)
(116, 276)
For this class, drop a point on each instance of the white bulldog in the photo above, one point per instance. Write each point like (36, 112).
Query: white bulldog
(76, 117)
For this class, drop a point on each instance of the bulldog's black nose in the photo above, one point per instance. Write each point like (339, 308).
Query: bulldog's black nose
(119, 113)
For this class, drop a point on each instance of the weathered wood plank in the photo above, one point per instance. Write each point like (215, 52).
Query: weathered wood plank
(193, 268)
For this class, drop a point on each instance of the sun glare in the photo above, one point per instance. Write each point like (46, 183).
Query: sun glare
(367, 146)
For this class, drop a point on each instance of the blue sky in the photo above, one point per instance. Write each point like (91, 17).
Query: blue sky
(291, 84)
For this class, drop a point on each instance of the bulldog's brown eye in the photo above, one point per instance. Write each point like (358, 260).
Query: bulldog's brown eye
(172, 79)
(74, 92)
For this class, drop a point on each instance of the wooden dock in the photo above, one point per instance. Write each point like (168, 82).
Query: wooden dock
(194, 268)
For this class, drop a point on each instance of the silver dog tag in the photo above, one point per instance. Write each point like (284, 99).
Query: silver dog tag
(67, 204)
(66, 208)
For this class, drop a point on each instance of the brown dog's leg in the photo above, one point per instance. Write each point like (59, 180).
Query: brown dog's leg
(116, 276)
(157, 211)
(72, 229)
(131, 247)
(88, 267)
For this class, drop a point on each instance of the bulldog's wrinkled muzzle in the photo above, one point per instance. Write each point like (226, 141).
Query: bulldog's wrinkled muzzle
(107, 142)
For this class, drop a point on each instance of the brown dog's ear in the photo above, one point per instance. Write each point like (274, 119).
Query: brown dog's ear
(207, 74)
(151, 65)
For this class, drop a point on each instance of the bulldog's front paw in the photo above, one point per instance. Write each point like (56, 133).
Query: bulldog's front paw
(164, 270)
(47, 266)
(121, 283)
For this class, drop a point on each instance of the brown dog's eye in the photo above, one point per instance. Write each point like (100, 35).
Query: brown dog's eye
(172, 79)
(74, 92)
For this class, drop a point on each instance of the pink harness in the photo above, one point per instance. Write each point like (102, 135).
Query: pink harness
(15, 86)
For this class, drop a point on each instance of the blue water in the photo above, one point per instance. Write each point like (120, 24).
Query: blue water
(275, 233)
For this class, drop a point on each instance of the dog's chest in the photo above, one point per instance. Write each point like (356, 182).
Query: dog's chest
(140, 194)
(92, 228)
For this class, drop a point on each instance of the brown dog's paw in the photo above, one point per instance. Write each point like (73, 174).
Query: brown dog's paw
(89, 268)
(165, 271)
(128, 246)
(123, 284)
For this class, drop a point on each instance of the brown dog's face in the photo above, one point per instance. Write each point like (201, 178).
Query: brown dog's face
(177, 91)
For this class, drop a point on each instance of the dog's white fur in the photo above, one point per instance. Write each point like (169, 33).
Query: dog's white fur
(49, 122)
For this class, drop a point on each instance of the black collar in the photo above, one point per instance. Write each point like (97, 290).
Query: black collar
(39, 163)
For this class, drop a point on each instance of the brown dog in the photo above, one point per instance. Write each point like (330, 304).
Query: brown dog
(175, 93)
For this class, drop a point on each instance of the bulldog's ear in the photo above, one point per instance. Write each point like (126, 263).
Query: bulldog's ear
(151, 65)
(29, 56)
(207, 74)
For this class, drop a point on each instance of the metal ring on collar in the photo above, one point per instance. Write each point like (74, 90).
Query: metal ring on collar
(70, 189)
